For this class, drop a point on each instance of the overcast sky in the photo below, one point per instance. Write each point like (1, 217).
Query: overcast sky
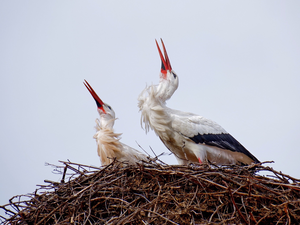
(237, 62)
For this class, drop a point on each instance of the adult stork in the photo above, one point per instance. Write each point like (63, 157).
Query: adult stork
(192, 138)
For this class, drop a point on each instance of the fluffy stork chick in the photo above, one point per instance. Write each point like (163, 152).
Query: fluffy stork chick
(190, 137)
(109, 146)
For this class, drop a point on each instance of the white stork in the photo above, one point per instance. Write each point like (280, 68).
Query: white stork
(190, 137)
(108, 142)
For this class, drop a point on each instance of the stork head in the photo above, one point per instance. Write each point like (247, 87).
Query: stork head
(107, 114)
(168, 83)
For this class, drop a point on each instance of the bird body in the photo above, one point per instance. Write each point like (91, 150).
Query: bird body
(108, 142)
(190, 137)
(109, 147)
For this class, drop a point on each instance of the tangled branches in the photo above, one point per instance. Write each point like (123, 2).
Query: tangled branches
(152, 193)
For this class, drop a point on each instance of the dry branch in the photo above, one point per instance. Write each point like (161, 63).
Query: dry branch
(152, 193)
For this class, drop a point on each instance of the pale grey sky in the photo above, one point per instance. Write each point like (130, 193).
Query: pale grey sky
(237, 62)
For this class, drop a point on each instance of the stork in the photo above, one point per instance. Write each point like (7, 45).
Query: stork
(108, 142)
(190, 137)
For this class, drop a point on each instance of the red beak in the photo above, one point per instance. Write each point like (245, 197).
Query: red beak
(165, 62)
(95, 96)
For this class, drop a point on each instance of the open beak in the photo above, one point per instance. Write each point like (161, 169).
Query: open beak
(165, 62)
(95, 96)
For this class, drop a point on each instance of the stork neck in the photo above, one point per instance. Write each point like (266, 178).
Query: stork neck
(107, 123)
(165, 90)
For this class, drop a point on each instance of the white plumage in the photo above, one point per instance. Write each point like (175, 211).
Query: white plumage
(190, 137)
(109, 146)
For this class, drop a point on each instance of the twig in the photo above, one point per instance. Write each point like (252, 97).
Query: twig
(162, 217)
(232, 199)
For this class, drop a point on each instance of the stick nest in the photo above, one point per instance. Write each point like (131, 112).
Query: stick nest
(153, 193)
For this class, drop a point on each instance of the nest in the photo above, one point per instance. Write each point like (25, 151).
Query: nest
(155, 193)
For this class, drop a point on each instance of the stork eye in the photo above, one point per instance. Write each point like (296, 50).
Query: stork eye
(108, 107)
(175, 76)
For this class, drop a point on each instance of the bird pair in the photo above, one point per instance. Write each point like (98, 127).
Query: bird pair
(191, 138)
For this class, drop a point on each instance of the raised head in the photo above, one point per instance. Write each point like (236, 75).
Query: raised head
(168, 83)
(107, 114)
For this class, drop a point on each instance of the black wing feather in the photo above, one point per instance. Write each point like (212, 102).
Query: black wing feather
(224, 141)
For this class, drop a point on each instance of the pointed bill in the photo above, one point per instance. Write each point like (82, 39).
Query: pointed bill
(165, 63)
(166, 56)
(95, 96)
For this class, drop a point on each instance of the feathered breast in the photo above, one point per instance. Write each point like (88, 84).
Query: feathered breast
(108, 144)
(153, 112)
